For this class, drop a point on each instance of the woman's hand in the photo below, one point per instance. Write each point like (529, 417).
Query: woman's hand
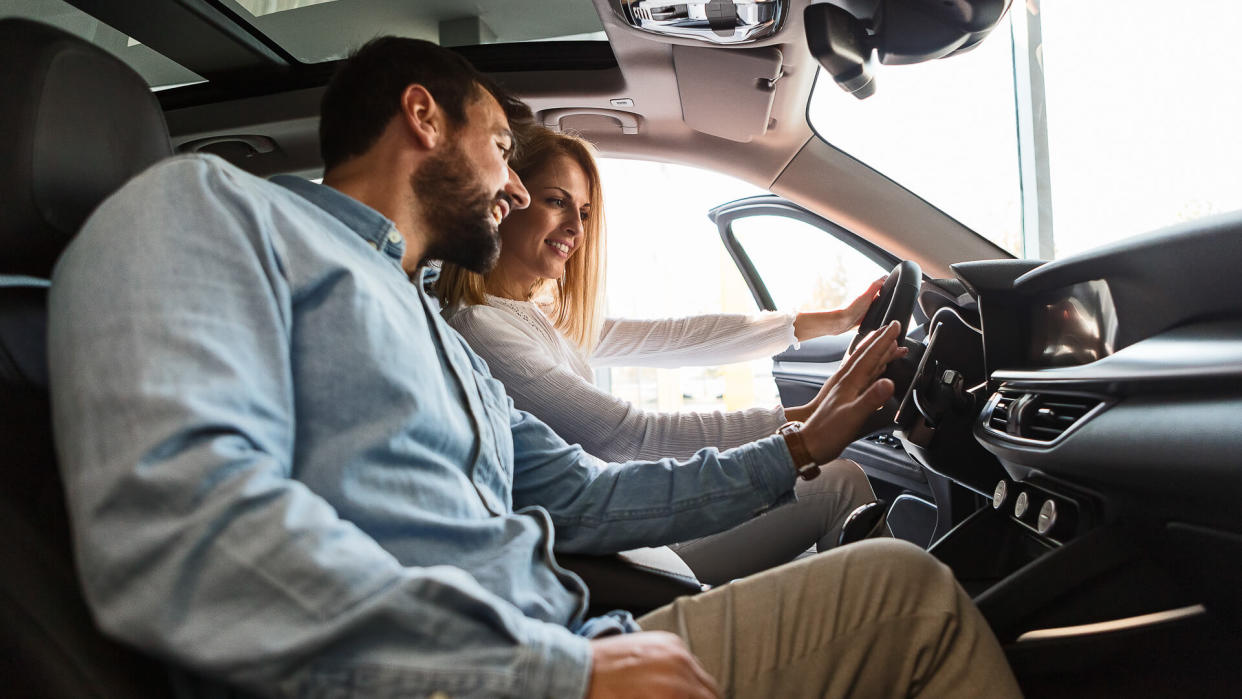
(819, 323)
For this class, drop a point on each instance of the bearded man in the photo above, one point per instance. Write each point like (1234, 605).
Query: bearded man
(288, 476)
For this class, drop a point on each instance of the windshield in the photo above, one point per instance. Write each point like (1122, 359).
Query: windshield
(1073, 125)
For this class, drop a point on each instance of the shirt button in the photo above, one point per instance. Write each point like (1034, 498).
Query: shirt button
(438, 695)
(394, 237)
(373, 244)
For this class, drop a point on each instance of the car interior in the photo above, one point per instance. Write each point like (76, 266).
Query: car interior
(1065, 434)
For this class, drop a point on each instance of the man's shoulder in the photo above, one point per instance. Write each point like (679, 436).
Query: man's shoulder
(198, 171)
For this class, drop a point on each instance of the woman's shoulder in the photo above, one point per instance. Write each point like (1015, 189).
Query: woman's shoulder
(482, 317)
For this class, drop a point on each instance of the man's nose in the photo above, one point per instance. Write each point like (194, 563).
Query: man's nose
(517, 191)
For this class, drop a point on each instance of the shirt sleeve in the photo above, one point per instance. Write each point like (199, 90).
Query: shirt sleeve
(600, 508)
(173, 414)
(606, 426)
(693, 341)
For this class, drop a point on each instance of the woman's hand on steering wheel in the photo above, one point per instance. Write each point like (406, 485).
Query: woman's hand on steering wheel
(812, 324)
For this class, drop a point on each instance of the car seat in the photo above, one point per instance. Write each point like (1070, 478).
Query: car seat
(77, 124)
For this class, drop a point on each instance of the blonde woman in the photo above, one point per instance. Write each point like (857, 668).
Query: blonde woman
(537, 319)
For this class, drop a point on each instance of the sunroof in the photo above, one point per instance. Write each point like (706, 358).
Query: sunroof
(159, 71)
(321, 30)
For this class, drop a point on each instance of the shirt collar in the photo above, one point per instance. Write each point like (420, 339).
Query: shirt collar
(376, 229)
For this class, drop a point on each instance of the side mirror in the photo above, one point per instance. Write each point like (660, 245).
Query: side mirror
(847, 36)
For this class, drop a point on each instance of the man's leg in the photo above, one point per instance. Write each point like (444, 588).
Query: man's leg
(879, 618)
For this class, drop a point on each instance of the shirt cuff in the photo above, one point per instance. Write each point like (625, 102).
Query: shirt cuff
(772, 467)
(556, 663)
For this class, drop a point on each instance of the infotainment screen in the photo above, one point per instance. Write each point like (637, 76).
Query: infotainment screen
(1073, 325)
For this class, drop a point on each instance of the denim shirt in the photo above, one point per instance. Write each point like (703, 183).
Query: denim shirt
(286, 472)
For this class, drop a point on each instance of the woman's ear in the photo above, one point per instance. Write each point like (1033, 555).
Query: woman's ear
(422, 116)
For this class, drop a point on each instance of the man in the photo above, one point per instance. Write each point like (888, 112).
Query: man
(286, 472)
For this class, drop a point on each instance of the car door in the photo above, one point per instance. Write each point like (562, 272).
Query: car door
(794, 260)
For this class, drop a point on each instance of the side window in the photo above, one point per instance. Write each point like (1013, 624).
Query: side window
(802, 266)
(665, 260)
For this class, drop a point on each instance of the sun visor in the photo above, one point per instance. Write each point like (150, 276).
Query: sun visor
(727, 92)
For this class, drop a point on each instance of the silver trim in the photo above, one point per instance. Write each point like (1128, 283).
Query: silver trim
(1114, 625)
(702, 20)
(985, 417)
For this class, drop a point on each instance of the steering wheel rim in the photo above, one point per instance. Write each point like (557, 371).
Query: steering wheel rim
(895, 302)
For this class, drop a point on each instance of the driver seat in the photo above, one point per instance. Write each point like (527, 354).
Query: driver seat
(78, 124)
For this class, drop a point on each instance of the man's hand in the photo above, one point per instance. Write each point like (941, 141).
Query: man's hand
(852, 394)
(814, 324)
(650, 664)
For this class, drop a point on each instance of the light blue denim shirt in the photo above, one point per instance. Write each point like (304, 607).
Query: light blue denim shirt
(285, 471)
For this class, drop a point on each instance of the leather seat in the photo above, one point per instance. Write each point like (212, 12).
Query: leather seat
(77, 124)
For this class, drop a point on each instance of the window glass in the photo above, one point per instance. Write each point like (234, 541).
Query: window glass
(322, 30)
(1143, 116)
(159, 72)
(665, 259)
(945, 130)
(804, 267)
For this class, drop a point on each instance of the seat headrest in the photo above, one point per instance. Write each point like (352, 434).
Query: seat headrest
(76, 124)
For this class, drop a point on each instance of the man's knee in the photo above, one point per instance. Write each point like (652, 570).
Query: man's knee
(899, 566)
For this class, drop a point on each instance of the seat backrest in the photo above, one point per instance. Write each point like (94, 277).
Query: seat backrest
(77, 124)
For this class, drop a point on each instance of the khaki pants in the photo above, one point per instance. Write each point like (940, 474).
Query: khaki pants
(880, 618)
(779, 535)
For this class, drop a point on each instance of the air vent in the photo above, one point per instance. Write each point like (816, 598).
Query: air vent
(1048, 416)
(999, 419)
(1039, 417)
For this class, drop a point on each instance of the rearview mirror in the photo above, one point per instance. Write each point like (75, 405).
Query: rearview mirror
(847, 36)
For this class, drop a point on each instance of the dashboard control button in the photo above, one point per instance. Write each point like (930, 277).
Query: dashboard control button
(1047, 517)
(1021, 505)
(999, 495)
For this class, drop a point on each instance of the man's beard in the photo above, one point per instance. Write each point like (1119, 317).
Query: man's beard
(457, 209)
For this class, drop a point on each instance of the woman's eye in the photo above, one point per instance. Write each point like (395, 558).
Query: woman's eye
(584, 216)
(558, 203)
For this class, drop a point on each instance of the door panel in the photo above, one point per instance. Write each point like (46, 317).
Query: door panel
(794, 260)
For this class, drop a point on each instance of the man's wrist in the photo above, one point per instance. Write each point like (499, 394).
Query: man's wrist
(803, 462)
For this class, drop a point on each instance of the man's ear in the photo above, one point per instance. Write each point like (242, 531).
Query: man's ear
(422, 116)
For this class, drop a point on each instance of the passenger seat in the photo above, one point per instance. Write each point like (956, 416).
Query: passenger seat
(77, 124)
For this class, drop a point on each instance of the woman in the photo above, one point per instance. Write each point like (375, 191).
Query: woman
(537, 320)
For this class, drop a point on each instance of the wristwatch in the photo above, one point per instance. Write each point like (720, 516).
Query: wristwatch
(805, 465)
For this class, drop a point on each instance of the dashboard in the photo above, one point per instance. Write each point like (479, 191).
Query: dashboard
(1112, 380)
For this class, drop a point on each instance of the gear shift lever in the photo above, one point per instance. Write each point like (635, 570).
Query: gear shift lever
(863, 522)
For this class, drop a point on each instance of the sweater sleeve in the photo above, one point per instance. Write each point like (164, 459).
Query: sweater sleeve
(693, 341)
(606, 426)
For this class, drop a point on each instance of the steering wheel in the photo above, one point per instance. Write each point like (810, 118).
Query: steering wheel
(895, 302)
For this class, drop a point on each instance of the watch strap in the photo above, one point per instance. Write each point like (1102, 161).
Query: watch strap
(803, 462)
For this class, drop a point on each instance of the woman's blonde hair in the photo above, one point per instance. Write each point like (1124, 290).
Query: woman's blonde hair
(576, 308)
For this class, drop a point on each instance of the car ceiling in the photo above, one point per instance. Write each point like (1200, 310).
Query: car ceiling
(692, 104)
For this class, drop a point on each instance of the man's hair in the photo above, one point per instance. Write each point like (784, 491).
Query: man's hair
(365, 93)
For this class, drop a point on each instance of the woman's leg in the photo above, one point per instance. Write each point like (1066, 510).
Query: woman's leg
(778, 536)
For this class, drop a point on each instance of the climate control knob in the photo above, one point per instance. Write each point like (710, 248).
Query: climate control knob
(1021, 505)
(1047, 517)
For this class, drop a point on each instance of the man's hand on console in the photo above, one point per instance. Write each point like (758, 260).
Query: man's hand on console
(647, 665)
(852, 394)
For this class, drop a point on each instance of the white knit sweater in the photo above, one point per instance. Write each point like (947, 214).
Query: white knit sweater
(551, 378)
